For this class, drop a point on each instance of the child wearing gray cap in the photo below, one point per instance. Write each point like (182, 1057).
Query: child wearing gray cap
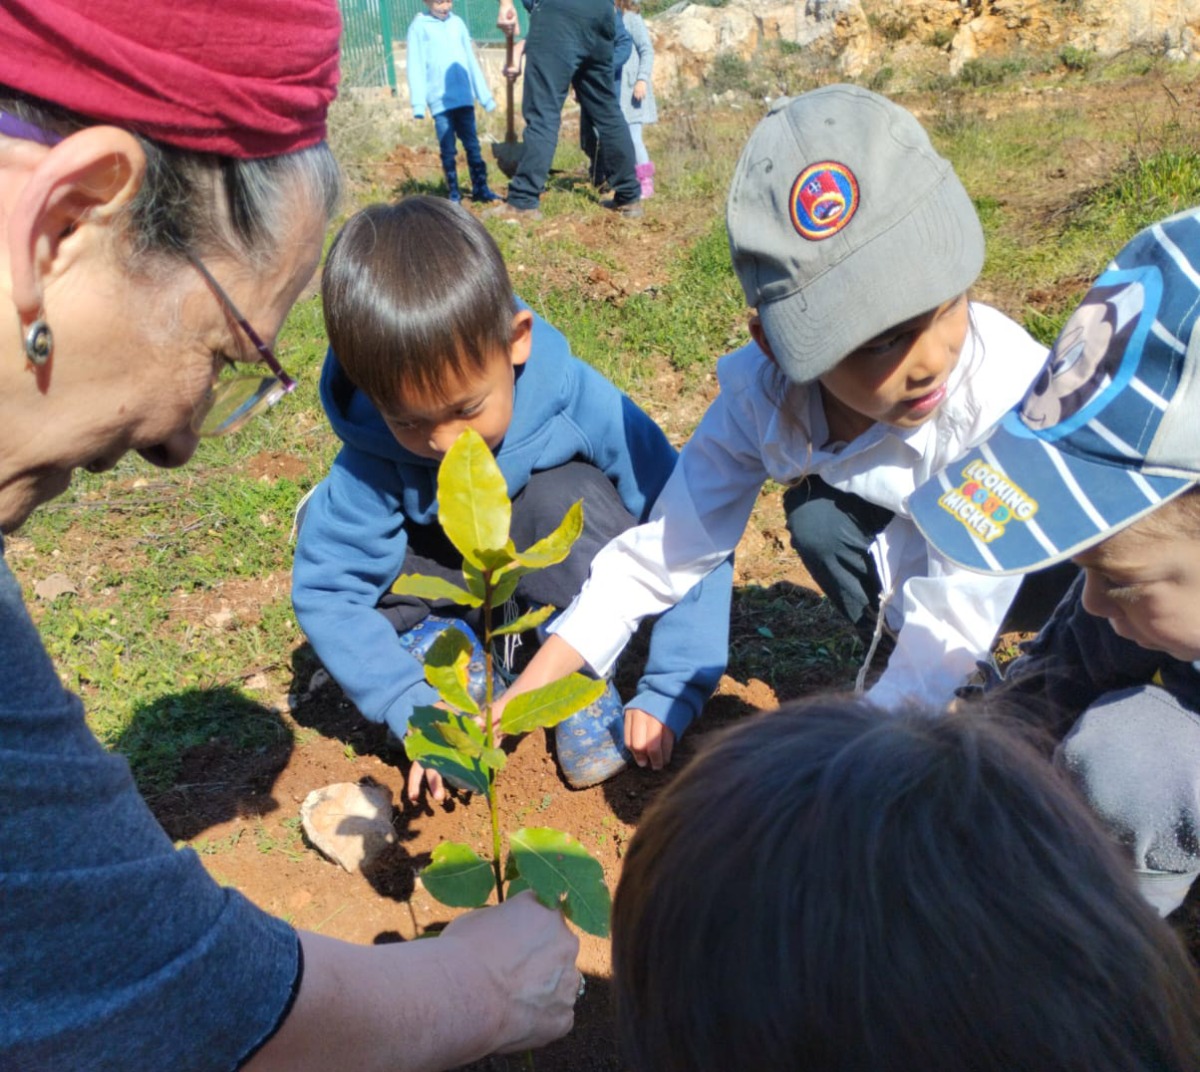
(868, 370)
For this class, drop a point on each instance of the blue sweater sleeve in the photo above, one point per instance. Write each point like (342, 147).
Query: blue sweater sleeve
(414, 65)
(350, 549)
(689, 644)
(622, 44)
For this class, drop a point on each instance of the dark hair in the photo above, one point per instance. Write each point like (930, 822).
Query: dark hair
(204, 202)
(830, 889)
(413, 292)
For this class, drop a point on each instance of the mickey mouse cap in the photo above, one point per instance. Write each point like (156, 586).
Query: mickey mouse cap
(1108, 432)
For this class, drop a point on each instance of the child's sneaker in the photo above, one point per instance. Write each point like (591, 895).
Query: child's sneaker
(485, 196)
(591, 743)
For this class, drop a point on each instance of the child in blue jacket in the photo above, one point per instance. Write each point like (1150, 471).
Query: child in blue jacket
(445, 77)
(427, 339)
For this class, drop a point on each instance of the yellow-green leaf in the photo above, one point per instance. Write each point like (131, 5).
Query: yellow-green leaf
(473, 505)
(552, 549)
(526, 621)
(549, 705)
(431, 588)
(563, 874)
(447, 664)
(458, 877)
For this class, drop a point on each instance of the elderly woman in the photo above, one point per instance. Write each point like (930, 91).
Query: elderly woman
(161, 168)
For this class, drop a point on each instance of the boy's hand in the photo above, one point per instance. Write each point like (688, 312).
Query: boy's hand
(418, 774)
(648, 739)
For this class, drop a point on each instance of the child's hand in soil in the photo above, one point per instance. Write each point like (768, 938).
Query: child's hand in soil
(648, 739)
(417, 776)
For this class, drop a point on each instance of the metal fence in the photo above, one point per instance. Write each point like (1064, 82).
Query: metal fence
(371, 28)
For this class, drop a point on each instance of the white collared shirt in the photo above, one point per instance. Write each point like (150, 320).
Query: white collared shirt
(946, 617)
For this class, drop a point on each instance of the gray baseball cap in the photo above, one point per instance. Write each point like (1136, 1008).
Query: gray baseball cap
(843, 222)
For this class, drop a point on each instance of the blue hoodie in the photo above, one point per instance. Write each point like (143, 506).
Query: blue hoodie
(443, 72)
(352, 543)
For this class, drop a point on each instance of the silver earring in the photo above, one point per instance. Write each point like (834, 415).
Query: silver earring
(39, 343)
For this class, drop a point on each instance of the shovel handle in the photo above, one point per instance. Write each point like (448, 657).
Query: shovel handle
(510, 132)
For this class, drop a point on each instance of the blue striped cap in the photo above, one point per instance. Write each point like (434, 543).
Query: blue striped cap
(1108, 432)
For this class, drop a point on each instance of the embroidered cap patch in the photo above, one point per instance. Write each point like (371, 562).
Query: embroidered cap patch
(824, 199)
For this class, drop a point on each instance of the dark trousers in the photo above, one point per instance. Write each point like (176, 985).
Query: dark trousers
(460, 123)
(538, 508)
(832, 531)
(589, 142)
(570, 43)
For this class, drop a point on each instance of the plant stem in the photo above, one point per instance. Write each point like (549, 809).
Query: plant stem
(490, 730)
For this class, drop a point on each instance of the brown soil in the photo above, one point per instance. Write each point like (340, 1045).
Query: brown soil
(241, 811)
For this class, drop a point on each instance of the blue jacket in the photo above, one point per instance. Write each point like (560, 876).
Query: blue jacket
(352, 543)
(443, 72)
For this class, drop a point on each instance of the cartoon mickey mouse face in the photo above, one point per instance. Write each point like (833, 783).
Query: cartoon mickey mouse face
(1086, 355)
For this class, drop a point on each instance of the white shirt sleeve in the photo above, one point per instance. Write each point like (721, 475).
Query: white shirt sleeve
(694, 526)
(950, 620)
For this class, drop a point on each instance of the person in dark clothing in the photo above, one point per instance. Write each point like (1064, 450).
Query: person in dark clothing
(589, 139)
(570, 44)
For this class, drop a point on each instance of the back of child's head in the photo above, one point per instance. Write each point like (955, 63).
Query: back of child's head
(828, 889)
(415, 293)
(1105, 436)
(844, 222)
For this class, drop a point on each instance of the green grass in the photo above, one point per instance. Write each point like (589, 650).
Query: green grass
(698, 315)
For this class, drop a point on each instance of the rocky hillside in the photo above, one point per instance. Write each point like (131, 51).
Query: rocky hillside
(855, 37)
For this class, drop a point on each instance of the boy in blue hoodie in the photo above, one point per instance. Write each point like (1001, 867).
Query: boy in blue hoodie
(445, 77)
(427, 339)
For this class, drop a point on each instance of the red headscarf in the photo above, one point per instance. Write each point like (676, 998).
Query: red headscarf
(243, 78)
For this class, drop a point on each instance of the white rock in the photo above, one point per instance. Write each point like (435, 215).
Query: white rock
(350, 824)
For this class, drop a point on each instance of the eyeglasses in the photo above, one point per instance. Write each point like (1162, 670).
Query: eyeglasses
(234, 397)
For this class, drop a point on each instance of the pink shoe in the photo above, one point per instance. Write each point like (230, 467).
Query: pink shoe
(645, 174)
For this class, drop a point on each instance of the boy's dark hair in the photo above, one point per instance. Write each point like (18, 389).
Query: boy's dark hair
(831, 889)
(414, 292)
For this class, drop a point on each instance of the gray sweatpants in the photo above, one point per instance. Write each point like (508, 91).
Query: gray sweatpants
(1136, 756)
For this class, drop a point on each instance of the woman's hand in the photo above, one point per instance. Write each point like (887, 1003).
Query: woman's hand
(528, 956)
(639, 90)
(506, 20)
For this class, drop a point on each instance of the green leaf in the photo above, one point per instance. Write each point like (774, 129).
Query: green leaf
(458, 877)
(549, 705)
(526, 621)
(493, 758)
(431, 588)
(512, 876)
(473, 505)
(554, 548)
(460, 738)
(446, 668)
(563, 874)
(475, 582)
(425, 744)
(505, 584)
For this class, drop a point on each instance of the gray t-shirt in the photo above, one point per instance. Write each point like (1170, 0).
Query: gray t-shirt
(117, 952)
